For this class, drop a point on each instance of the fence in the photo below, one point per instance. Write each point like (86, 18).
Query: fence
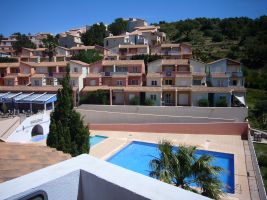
(260, 184)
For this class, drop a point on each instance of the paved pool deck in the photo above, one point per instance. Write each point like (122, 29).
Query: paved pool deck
(221, 143)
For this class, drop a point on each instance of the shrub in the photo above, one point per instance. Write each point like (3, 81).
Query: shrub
(221, 103)
(203, 102)
(149, 102)
(97, 97)
(217, 37)
(134, 101)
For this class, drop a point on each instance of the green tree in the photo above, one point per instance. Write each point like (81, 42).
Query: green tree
(118, 27)
(22, 41)
(50, 44)
(88, 56)
(95, 35)
(181, 167)
(67, 132)
(186, 27)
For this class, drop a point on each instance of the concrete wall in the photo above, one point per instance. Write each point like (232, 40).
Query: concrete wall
(229, 113)
(24, 130)
(218, 128)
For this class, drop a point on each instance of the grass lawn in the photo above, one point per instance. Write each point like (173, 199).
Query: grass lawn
(261, 150)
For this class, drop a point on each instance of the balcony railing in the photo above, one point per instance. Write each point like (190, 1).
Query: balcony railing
(234, 74)
(109, 74)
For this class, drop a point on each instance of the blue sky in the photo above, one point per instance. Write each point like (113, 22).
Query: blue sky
(31, 16)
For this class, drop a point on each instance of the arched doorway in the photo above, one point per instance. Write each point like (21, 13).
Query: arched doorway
(37, 130)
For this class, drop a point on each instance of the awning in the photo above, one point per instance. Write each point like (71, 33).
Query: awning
(241, 98)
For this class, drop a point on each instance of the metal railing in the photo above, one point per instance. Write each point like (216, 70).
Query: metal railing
(259, 181)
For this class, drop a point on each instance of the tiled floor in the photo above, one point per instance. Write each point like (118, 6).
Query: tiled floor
(221, 143)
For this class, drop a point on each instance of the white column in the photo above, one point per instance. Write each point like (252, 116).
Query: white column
(53, 105)
(175, 98)
(31, 107)
(114, 68)
(45, 106)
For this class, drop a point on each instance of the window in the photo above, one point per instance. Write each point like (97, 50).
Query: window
(134, 69)
(154, 83)
(121, 69)
(168, 82)
(220, 83)
(75, 69)
(73, 82)
(134, 82)
(36, 83)
(196, 82)
(234, 82)
(9, 82)
(92, 82)
(153, 97)
(119, 82)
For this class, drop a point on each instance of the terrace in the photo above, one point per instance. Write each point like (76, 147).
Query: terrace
(19, 102)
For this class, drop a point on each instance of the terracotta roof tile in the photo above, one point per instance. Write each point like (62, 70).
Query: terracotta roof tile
(25, 159)
(80, 62)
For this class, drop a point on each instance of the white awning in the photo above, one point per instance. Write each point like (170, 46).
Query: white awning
(241, 98)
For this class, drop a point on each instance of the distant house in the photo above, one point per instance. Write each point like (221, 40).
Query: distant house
(146, 35)
(135, 22)
(71, 38)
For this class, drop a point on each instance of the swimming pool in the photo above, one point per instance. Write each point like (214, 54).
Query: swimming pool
(38, 138)
(96, 139)
(136, 157)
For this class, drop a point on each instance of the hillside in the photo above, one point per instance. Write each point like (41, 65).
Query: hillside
(242, 39)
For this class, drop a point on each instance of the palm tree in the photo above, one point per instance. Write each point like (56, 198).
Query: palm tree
(50, 44)
(182, 168)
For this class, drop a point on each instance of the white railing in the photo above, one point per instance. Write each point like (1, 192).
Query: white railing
(258, 176)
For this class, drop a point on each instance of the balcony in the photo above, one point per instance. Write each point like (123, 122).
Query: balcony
(235, 74)
(112, 74)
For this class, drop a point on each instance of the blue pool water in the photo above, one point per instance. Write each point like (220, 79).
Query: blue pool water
(136, 157)
(96, 139)
(38, 138)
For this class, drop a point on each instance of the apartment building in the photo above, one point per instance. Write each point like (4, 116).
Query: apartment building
(6, 46)
(173, 51)
(126, 52)
(11, 75)
(146, 35)
(115, 76)
(132, 23)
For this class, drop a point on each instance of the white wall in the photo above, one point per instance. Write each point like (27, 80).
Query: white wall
(183, 81)
(154, 66)
(150, 79)
(218, 67)
(197, 66)
(24, 130)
